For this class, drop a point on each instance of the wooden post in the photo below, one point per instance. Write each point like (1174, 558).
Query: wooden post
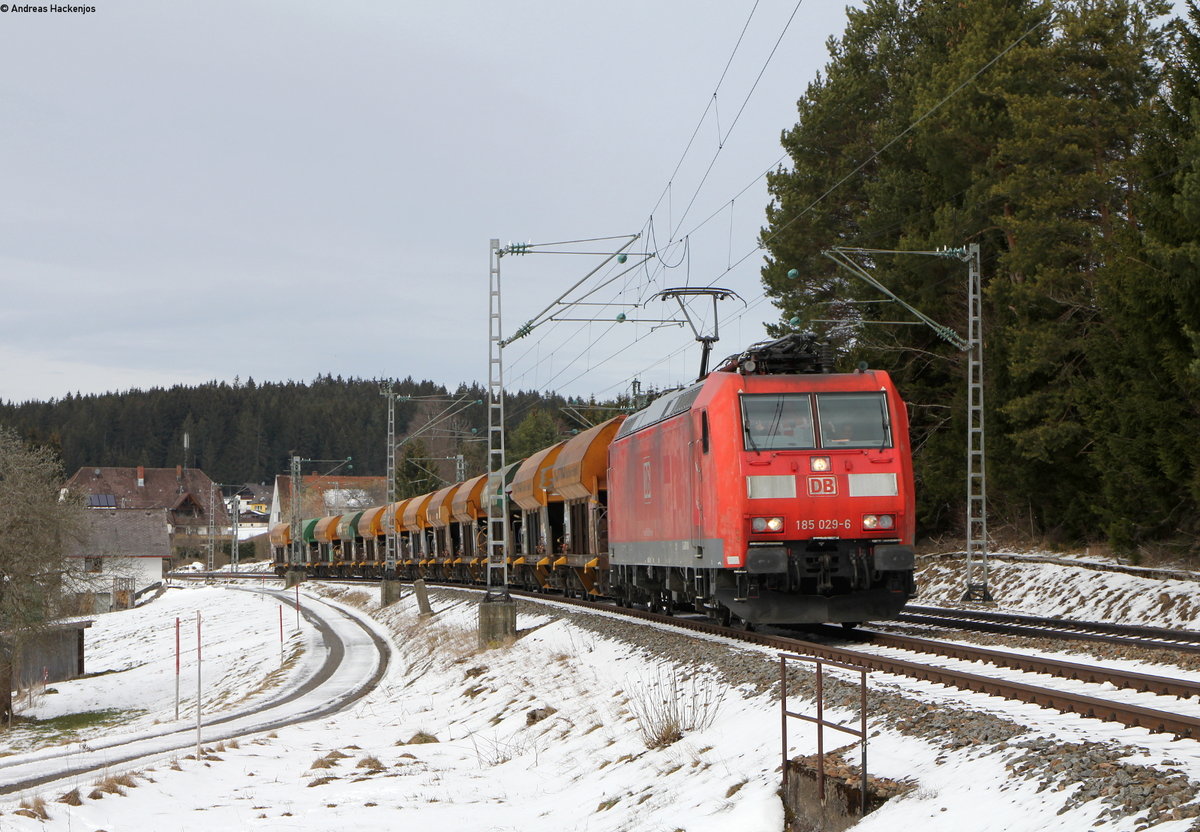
(6, 673)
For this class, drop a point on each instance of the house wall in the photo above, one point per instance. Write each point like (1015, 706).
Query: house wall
(145, 571)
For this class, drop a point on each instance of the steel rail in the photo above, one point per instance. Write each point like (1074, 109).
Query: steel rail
(1130, 680)
(1134, 716)
(1140, 635)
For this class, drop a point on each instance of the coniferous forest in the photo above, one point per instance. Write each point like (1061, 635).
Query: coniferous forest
(1060, 136)
(247, 432)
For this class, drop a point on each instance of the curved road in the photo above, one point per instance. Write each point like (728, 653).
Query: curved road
(356, 659)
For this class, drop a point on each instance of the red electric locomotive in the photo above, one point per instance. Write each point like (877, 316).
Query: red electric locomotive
(773, 490)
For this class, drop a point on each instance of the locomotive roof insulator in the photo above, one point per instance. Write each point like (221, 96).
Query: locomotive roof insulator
(792, 354)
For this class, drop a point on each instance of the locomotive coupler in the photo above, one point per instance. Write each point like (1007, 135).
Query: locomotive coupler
(747, 587)
(825, 576)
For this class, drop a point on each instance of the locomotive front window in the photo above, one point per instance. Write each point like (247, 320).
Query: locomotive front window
(843, 420)
(853, 420)
(778, 422)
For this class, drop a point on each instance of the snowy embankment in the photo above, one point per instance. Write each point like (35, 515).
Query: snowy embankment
(1087, 590)
(348, 663)
(550, 733)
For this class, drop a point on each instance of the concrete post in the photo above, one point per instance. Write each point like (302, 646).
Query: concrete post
(497, 621)
(389, 592)
(422, 598)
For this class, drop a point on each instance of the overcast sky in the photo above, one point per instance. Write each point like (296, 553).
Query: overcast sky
(276, 190)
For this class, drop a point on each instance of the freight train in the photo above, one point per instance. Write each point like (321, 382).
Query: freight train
(773, 490)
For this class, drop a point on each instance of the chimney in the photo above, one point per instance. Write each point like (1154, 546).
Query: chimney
(141, 476)
(178, 473)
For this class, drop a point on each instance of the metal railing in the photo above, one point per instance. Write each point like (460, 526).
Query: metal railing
(821, 722)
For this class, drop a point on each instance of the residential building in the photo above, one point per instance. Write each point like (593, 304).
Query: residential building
(325, 495)
(193, 510)
(121, 553)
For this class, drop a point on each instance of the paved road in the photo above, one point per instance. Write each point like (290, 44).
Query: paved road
(356, 659)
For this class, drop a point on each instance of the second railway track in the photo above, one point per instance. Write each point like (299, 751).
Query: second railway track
(1067, 629)
(1131, 715)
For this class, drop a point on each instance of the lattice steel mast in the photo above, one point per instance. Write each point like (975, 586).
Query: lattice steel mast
(234, 550)
(977, 534)
(972, 345)
(296, 509)
(212, 526)
(389, 568)
(497, 508)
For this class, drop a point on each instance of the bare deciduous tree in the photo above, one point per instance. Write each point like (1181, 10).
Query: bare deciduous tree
(36, 525)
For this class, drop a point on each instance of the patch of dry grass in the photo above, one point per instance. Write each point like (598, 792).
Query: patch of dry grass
(605, 805)
(420, 738)
(329, 760)
(115, 784)
(33, 807)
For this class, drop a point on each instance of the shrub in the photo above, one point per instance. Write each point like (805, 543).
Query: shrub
(665, 706)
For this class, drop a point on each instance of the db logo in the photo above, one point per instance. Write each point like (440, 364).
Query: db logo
(822, 486)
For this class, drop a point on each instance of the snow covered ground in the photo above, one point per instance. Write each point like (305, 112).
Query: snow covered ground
(546, 734)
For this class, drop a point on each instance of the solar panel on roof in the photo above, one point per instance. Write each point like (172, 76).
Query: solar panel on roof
(102, 501)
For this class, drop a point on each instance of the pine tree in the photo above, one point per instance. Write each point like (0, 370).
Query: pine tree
(996, 122)
(536, 431)
(1147, 403)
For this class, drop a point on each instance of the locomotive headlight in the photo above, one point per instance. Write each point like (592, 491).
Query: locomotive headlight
(760, 525)
(878, 521)
(818, 463)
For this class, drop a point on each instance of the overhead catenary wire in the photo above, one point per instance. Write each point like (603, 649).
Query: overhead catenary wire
(685, 255)
(757, 300)
(703, 116)
(725, 138)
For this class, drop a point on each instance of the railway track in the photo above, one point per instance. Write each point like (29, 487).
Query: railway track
(1131, 715)
(1128, 680)
(1187, 641)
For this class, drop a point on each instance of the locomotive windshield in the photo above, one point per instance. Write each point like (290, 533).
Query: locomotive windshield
(778, 421)
(785, 421)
